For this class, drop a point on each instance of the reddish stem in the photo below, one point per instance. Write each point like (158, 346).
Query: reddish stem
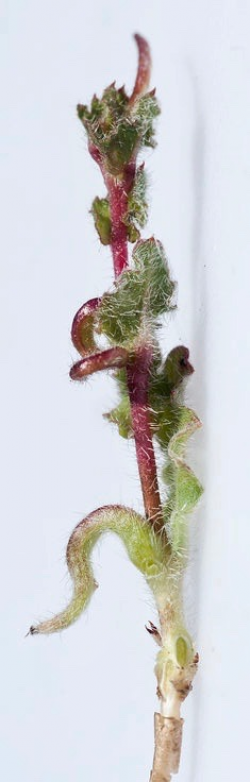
(138, 376)
(138, 368)
(119, 187)
(118, 190)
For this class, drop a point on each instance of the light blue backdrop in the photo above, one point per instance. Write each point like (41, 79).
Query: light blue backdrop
(79, 706)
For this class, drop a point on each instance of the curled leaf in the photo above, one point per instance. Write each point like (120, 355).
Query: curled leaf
(141, 294)
(146, 550)
(106, 359)
(83, 326)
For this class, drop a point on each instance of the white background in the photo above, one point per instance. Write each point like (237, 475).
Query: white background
(79, 706)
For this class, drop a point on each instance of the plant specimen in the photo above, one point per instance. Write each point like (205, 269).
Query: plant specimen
(150, 409)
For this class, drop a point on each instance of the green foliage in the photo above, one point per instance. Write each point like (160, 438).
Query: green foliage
(141, 295)
(137, 204)
(118, 128)
(172, 425)
(121, 415)
(146, 110)
(101, 213)
(181, 651)
(136, 211)
(184, 488)
(119, 148)
(158, 288)
(145, 549)
(165, 421)
(169, 378)
(164, 408)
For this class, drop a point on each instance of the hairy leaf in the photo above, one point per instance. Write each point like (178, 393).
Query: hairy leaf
(118, 128)
(145, 549)
(101, 213)
(141, 295)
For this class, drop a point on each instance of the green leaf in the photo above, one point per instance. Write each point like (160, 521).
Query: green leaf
(133, 234)
(150, 261)
(101, 213)
(141, 295)
(119, 148)
(185, 489)
(137, 205)
(170, 377)
(120, 312)
(145, 549)
(121, 415)
(146, 109)
(181, 651)
(165, 421)
(117, 128)
(165, 393)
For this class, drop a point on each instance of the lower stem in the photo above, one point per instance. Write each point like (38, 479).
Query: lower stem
(168, 739)
(138, 378)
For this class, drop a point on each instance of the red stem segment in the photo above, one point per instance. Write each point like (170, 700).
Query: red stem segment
(118, 199)
(138, 376)
(118, 190)
(138, 367)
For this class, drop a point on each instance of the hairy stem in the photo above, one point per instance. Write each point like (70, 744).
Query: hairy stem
(118, 190)
(138, 378)
(138, 369)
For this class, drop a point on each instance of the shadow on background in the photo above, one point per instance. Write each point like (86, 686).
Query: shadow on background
(199, 398)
